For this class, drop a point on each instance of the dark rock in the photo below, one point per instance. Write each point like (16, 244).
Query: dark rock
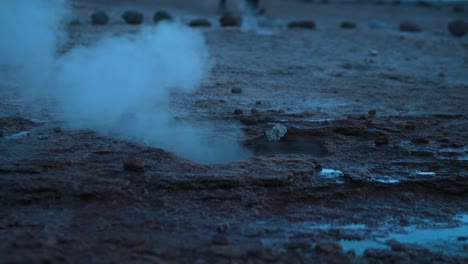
(57, 129)
(383, 140)
(229, 20)
(395, 245)
(420, 140)
(306, 24)
(201, 22)
(248, 120)
(238, 112)
(348, 25)
(372, 112)
(162, 15)
(458, 28)
(99, 18)
(132, 17)
(222, 228)
(255, 111)
(328, 248)
(236, 90)
(458, 9)
(462, 238)
(409, 26)
(423, 3)
(258, 102)
(136, 165)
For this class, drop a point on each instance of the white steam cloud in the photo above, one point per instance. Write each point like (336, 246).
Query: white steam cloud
(121, 85)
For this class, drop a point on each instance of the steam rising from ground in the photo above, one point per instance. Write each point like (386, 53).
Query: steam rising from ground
(120, 85)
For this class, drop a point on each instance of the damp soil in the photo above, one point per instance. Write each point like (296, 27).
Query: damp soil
(373, 168)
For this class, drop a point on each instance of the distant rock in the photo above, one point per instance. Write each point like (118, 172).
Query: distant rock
(348, 25)
(135, 165)
(162, 15)
(99, 18)
(420, 140)
(255, 111)
(248, 120)
(305, 24)
(74, 22)
(238, 112)
(229, 20)
(409, 26)
(236, 90)
(328, 248)
(458, 28)
(200, 22)
(132, 17)
(383, 140)
(372, 112)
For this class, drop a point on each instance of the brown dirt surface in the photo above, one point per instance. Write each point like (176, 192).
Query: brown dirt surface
(373, 168)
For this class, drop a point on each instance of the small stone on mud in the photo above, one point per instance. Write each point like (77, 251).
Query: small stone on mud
(230, 21)
(306, 24)
(255, 111)
(135, 165)
(258, 102)
(222, 228)
(420, 140)
(200, 22)
(458, 28)
(238, 111)
(458, 9)
(372, 112)
(276, 133)
(57, 129)
(383, 140)
(248, 120)
(407, 197)
(162, 15)
(328, 248)
(409, 26)
(236, 90)
(99, 18)
(348, 25)
(395, 245)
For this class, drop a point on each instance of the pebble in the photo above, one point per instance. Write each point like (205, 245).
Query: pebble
(135, 165)
(230, 21)
(372, 112)
(328, 248)
(255, 111)
(409, 26)
(458, 28)
(348, 25)
(248, 120)
(305, 24)
(201, 22)
(458, 9)
(238, 112)
(236, 90)
(420, 140)
(380, 141)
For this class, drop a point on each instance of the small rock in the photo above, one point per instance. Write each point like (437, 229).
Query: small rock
(328, 248)
(374, 53)
(99, 18)
(135, 165)
(222, 229)
(462, 238)
(458, 9)
(236, 90)
(201, 22)
(458, 28)
(395, 245)
(228, 20)
(380, 141)
(132, 17)
(162, 15)
(348, 25)
(306, 24)
(409, 26)
(1, 133)
(420, 140)
(276, 133)
(255, 111)
(57, 129)
(372, 112)
(238, 112)
(248, 120)
(442, 74)
(258, 102)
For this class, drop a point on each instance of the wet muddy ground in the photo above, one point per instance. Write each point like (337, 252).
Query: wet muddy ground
(373, 168)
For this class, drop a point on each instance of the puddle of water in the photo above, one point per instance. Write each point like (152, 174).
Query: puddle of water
(17, 135)
(331, 173)
(360, 246)
(387, 180)
(425, 173)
